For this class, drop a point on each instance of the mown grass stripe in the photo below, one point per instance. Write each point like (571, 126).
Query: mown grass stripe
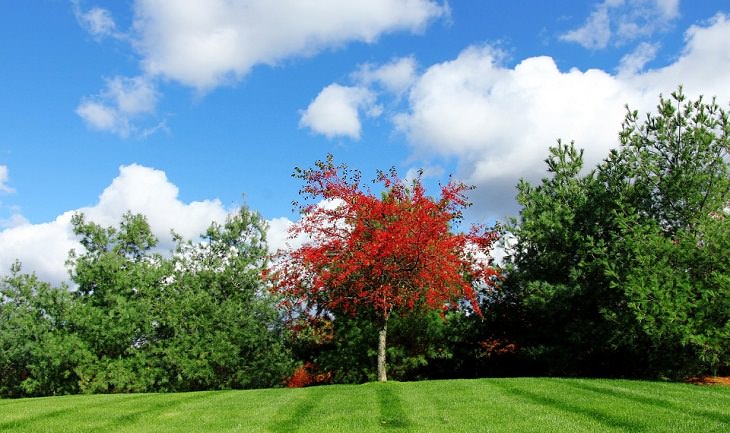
(391, 411)
(574, 409)
(658, 401)
(485, 405)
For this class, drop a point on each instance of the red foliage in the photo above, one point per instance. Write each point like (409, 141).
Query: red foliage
(493, 346)
(306, 375)
(709, 380)
(393, 251)
(299, 379)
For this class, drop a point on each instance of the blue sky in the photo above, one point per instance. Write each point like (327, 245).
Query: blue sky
(178, 109)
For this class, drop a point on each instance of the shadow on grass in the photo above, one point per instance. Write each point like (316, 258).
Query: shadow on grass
(392, 415)
(25, 422)
(650, 401)
(291, 416)
(598, 416)
(165, 402)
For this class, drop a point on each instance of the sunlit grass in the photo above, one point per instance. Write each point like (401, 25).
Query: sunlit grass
(486, 405)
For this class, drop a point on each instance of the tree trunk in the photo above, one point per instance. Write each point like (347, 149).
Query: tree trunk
(382, 334)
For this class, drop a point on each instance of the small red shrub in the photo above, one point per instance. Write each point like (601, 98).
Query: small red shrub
(493, 346)
(307, 374)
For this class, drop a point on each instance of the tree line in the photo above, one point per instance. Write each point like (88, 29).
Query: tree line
(622, 270)
(625, 270)
(136, 321)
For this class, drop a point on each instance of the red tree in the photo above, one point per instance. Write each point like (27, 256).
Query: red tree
(381, 254)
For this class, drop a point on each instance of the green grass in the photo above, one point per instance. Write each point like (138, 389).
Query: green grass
(485, 405)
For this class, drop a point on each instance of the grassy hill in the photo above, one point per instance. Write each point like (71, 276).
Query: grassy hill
(484, 405)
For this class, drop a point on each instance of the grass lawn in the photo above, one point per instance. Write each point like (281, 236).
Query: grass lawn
(484, 405)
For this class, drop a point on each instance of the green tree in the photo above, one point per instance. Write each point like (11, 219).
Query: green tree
(216, 323)
(38, 351)
(564, 312)
(679, 290)
(137, 321)
(622, 270)
(672, 167)
(199, 319)
(117, 276)
(672, 173)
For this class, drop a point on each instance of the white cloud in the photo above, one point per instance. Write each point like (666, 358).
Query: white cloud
(702, 66)
(207, 43)
(336, 111)
(16, 219)
(668, 8)
(278, 237)
(634, 62)
(623, 21)
(595, 33)
(503, 248)
(148, 191)
(498, 121)
(43, 248)
(102, 117)
(97, 21)
(396, 76)
(122, 100)
(132, 95)
(4, 180)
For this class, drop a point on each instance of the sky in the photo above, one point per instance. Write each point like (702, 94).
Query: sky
(184, 110)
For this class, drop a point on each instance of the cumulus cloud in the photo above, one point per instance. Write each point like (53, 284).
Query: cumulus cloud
(44, 247)
(336, 111)
(279, 238)
(122, 100)
(206, 43)
(622, 21)
(4, 180)
(41, 248)
(148, 191)
(498, 121)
